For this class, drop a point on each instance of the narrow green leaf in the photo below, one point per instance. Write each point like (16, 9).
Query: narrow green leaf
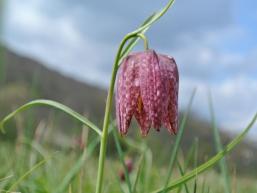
(177, 143)
(181, 170)
(191, 153)
(219, 147)
(195, 186)
(144, 27)
(74, 170)
(211, 162)
(121, 156)
(155, 18)
(59, 106)
(188, 160)
(138, 173)
(195, 165)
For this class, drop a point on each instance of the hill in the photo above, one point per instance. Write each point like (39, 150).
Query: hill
(45, 83)
(25, 79)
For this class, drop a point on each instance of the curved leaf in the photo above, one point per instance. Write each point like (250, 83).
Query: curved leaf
(59, 106)
(144, 27)
(155, 17)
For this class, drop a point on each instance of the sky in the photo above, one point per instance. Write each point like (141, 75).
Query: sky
(213, 42)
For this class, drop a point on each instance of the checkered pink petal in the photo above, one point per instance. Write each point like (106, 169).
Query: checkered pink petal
(147, 87)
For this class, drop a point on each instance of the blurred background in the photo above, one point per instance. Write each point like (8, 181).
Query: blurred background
(213, 42)
(64, 50)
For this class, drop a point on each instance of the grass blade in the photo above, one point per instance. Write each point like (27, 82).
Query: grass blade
(218, 146)
(181, 170)
(59, 106)
(192, 153)
(195, 186)
(121, 156)
(211, 162)
(24, 176)
(195, 164)
(189, 158)
(177, 143)
(77, 166)
(140, 167)
(88, 151)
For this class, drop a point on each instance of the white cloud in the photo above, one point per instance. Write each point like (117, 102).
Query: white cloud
(228, 75)
(234, 101)
(57, 42)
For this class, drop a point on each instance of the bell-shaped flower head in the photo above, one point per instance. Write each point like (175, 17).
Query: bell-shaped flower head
(147, 87)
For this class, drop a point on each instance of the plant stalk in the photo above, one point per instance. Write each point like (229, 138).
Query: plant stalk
(104, 136)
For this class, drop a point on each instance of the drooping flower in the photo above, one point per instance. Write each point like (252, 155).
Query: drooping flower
(147, 87)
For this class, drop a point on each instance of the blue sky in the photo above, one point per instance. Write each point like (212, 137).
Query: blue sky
(213, 42)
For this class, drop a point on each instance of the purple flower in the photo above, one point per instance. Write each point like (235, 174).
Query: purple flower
(147, 87)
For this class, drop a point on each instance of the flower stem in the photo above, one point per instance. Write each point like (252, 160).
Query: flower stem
(142, 36)
(104, 136)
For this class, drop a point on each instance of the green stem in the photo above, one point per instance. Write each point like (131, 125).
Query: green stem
(104, 136)
(142, 36)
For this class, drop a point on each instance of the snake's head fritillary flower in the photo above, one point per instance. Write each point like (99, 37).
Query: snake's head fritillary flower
(147, 87)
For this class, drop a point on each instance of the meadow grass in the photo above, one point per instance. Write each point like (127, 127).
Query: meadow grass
(55, 165)
(33, 166)
(30, 166)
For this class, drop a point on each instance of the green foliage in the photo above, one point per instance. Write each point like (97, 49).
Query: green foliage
(70, 170)
(90, 101)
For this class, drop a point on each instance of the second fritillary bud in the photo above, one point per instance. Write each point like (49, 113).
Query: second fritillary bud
(147, 87)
